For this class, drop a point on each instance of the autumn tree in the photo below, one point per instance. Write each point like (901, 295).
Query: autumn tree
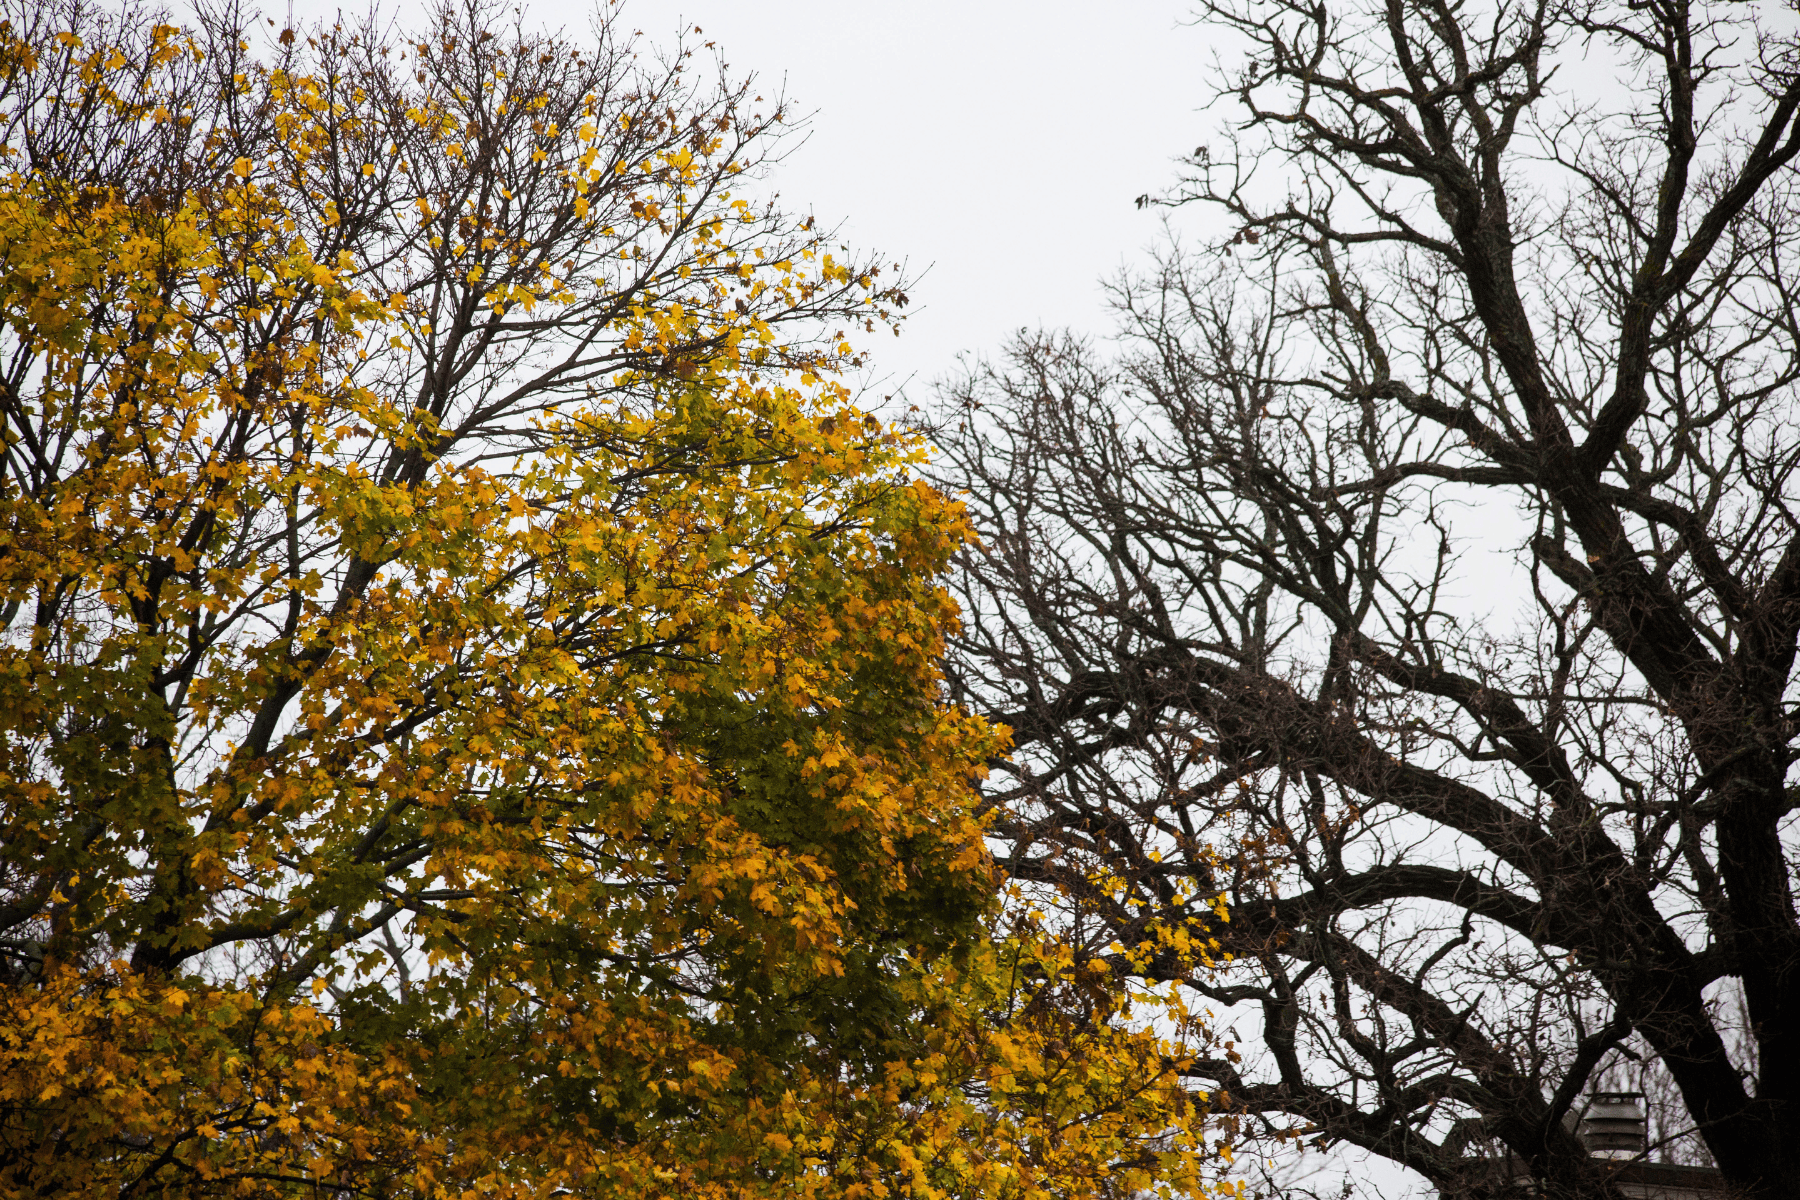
(1420, 568)
(469, 720)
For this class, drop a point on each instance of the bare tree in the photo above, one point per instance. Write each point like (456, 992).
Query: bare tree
(1420, 572)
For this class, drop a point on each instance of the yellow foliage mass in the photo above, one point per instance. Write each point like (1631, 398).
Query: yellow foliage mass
(469, 719)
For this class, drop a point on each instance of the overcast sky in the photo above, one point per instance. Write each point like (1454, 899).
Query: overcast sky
(995, 146)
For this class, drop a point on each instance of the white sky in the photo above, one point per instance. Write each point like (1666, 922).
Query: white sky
(995, 146)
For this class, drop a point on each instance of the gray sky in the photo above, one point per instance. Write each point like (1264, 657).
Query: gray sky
(996, 146)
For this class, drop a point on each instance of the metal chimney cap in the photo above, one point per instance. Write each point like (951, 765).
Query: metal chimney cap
(1614, 1125)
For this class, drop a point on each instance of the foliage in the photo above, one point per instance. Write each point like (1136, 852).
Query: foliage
(469, 720)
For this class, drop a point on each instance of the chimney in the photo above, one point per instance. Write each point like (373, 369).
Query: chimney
(1614, 1125)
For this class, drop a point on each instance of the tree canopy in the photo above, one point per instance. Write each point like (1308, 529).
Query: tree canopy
(1421, 566)
(469, 709)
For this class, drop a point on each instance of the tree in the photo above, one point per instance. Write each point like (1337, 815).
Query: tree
(469, 720)
(1420, 573)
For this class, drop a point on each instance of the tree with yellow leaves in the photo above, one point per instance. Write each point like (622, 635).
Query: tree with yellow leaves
(469, 721)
